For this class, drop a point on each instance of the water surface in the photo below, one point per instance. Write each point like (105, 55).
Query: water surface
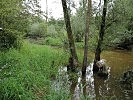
(94, 87)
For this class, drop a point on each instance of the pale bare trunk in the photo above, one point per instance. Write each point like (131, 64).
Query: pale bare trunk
(46, 11)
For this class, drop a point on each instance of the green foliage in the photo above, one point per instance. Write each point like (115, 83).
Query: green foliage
(9, 39)
(11, 16)
(79, 45)
(119, 23)
(52, 31)
(37, 30)
(56, 29)
(78, 25)
(15, 18)
(26, 74)
(58, 95)
(53, 41)
(127, 79)
(12, 89)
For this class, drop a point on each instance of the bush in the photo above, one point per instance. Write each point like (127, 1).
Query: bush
(53, 41)
(127, 79)
(9, 39)
(79, 45)
(52, 31)
(37, 30)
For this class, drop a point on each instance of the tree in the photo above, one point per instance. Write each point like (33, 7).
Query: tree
(101, 35)
(10, 23)
(78, 24)
(88, 15)
(15, 18)
(73, 60)
(120, 15)
(46, 11)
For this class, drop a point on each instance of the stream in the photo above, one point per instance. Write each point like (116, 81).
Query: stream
(94, 87)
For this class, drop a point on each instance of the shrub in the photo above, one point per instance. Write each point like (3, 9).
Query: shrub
(53, 41)
(52, 31)
(127, 79)
(9, 39)
(37, 30)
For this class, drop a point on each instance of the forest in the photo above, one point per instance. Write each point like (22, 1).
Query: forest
(83, 55)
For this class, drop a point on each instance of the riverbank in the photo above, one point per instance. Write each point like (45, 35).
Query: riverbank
(27, 74)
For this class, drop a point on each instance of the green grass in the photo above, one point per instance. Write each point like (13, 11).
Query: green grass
(26, 74)
(48, 41)
(53, 41)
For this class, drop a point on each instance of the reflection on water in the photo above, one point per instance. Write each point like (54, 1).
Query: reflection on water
(94, 87)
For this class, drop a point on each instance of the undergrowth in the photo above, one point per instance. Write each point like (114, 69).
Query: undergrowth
(26, 74)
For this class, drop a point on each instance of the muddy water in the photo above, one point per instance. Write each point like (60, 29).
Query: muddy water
(94, 87)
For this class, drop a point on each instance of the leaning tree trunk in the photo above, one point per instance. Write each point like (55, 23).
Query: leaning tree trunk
(73, 57)
(88, 15)
(101, 35)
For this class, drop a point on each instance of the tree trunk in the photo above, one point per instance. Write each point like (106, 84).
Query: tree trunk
(88, 15)
(73, 54)
(46, 11)
(101, 35)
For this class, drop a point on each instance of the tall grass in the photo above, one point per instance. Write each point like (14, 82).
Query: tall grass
(27, 74)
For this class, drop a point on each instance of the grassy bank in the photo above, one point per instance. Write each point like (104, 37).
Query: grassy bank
(27, 74)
